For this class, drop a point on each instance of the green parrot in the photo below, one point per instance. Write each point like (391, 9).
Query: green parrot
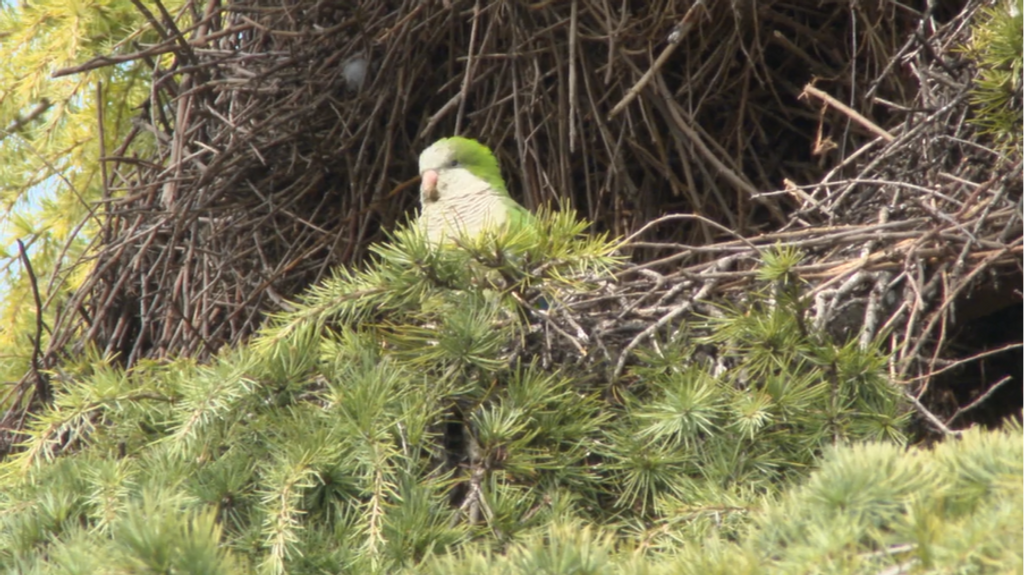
(462, 193)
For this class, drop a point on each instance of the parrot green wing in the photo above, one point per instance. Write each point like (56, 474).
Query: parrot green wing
(517, 214)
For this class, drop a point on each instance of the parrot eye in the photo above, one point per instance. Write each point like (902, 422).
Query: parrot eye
(453, 164)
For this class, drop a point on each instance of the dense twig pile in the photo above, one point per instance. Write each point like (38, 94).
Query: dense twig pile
(272, 158)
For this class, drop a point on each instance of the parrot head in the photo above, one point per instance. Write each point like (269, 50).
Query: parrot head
(452, 168)
(462, 192)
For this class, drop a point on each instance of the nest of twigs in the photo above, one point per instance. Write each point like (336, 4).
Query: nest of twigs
(281, 139)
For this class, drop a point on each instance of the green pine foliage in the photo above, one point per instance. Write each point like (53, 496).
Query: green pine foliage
(997, 46)
(397, 420)
(870, 508)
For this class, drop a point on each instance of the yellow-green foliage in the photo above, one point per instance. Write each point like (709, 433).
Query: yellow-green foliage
(49, 143)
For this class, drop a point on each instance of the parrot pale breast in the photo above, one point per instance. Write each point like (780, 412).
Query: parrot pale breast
(462, 193)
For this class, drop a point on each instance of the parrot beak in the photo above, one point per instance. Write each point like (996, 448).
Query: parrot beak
(428, 187)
